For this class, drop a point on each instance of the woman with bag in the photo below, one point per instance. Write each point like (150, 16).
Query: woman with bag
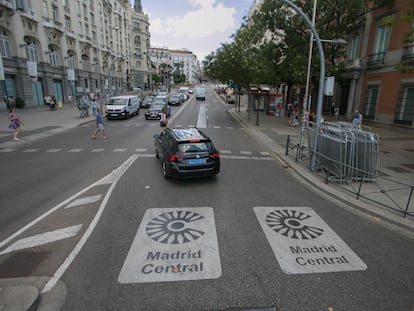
(15, 123)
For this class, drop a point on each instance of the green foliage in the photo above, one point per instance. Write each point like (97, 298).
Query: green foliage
(273, 45)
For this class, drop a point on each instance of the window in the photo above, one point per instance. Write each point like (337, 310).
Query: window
(136, 26)
(68, 22)
(71, 62)
(353, 50)
(381, 39)
(53, 56)
(370, 101)
(55, 13)
(44, 9)
(404, 113)
(31, 50)
(4, 44)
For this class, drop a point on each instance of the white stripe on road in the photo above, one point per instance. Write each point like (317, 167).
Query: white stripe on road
(245, 152)
(7, 150)
(75, 150)
(119, 150)
(98, 150)
(113, 177)
(30, 150)
(84, 201)
(54, 150)
(43, 238)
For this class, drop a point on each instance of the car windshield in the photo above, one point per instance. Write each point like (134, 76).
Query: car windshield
(148, 99)
(194, 147)
(157, 107)
(117, 101)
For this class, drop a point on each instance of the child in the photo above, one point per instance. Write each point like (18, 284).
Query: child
(99, 124)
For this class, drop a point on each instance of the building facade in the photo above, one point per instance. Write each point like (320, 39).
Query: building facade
(167, 61)
(72, 47)
(380, 67)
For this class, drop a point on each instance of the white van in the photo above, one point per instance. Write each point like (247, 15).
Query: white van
(123, 107)
(200, 93)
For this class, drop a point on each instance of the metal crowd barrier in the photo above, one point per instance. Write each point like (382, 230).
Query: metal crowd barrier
(346, 153)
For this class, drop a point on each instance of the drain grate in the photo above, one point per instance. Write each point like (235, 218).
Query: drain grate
(21, 264)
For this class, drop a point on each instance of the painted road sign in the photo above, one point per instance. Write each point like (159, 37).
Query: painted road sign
(303, 243)
(173, 244)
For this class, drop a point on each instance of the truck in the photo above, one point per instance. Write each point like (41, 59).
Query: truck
(200, 93)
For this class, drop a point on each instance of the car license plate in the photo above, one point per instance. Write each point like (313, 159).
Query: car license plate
(196, 161)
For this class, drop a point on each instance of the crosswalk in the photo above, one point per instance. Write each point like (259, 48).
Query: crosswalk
(145, 152)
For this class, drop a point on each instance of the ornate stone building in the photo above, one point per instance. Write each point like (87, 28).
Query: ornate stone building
(72, 47)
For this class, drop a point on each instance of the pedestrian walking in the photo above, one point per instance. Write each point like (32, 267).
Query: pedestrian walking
(15, 123)
(94, 105)
(70, 100)
(163, 118)
(99, 125)
(357, 119)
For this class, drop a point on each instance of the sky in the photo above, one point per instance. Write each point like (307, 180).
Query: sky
(199, 26)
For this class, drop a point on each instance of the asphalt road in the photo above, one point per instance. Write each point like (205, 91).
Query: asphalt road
(109, 258)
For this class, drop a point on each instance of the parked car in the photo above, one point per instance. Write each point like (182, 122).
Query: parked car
(154, 111)
(148, 100)
(175, 99)
(122, 107)
(186, 153)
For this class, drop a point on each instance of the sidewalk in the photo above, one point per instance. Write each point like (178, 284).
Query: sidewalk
(396, 159)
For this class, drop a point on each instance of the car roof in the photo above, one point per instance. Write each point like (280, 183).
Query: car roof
(123, 96)
(188, 134)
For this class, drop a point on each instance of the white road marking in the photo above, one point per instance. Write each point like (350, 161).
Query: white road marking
(141, 150)
(43, 238)
(75, 150)
(54, 150)
(84, 201)
(245, 158)
(30, 150)
(202, 116)
(265, 153)
(112, 178)
(7, 150)
(303, 243)
(97, 150)
(173, 244)
(119, 150)
(217, 126)
(245, 152)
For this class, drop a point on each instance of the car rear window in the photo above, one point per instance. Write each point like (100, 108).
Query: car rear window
(194, 147)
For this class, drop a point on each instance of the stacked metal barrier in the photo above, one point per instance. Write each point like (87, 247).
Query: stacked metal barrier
(346, 153)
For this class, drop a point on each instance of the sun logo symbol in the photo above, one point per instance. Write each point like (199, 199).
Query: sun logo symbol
(174, 227)
(290, 224)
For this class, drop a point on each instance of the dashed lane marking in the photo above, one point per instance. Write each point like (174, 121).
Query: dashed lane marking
(245, 152)
(98, 150)
(30, 150)
(119, 150)
(75, 150)
(54, 150)
(7, 150)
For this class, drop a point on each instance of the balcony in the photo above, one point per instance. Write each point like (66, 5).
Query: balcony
(376, 60)
(408, 54)
(352, 64)
(53, 24)
(7, 5)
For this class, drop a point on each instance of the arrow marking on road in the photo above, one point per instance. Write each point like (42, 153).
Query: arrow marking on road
(43, 238)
